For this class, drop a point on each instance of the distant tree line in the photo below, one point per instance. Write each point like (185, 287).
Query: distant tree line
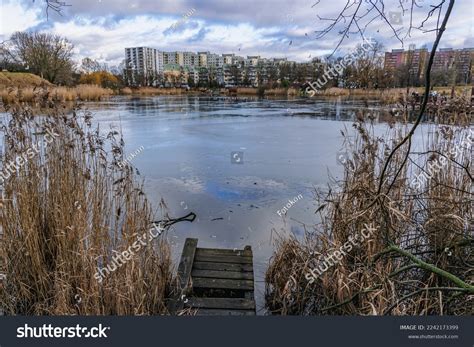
(50, 56)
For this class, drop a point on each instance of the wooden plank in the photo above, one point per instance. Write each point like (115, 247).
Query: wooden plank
(218, 283)
(186, 263)
(184, 273)
(197, 265)
(223, 252)
(233, 259)
(236, 275)
(216, 312)
(222, 303)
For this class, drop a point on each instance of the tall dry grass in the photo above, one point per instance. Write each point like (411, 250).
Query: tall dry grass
(155, 91)
(82, 92)
(67, 211)
(394, 95)
(420, 260)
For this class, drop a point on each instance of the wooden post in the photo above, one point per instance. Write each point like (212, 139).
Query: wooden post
(184, 274)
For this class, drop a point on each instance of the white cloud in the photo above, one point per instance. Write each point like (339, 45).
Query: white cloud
(16, 17)
(102, 29)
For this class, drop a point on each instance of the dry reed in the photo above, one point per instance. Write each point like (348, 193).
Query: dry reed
(82, 92)
(419, 233)
(67, 211)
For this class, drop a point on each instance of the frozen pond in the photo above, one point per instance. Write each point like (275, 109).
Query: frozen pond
(235, 163)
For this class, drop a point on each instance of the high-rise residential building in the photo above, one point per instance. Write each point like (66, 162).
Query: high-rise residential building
(180, 58)
(414, 59)
(417, 60)
(278, 61)
(215, 60)
(394, 59)
(159, 61)
(228, 58)
(238, 60)
(444, 59)
(143, 60)
(458, 62)
(190, 59)
(252, 60)
(143, 65)
(203, 58)
(170, 58)
(464, 64)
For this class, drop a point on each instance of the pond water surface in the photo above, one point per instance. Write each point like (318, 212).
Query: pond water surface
(233, 162)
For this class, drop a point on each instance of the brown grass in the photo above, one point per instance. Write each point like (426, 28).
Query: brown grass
(433, 224)
(393, 95)
(21, 80)
(156, 91)
(68, 210)
(82, 92)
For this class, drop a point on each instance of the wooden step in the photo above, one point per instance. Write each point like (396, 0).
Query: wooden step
(233, 275)
(223, 252)
(211, 312)
(221, 303)
(233, 259)
(222, 266)
(218, 283)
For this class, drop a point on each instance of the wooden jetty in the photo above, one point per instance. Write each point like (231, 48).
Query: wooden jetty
(215, 282)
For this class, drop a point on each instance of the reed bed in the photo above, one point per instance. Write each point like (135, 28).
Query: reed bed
(66, 212)
(82, 92)
(154, 91)
(420, 260)
(394, 95)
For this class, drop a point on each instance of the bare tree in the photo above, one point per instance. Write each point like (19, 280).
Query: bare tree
(46, 55)
(54, 6)
(89, 65)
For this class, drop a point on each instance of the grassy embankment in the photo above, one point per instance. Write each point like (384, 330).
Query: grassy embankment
(18, 86)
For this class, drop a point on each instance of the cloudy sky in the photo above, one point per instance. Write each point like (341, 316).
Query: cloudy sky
(101, 29)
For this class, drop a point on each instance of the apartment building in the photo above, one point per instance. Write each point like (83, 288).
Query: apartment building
(144, 60)
(143, 65)
(465, 65)
(202, 59)
(444, 59)
(190, 59)
(459, 61)
(417, 59)
(160, 62)
(215, 60)
(170, 58)
(228, 58)
(414, 59)
(252, 60)
(394, 59)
